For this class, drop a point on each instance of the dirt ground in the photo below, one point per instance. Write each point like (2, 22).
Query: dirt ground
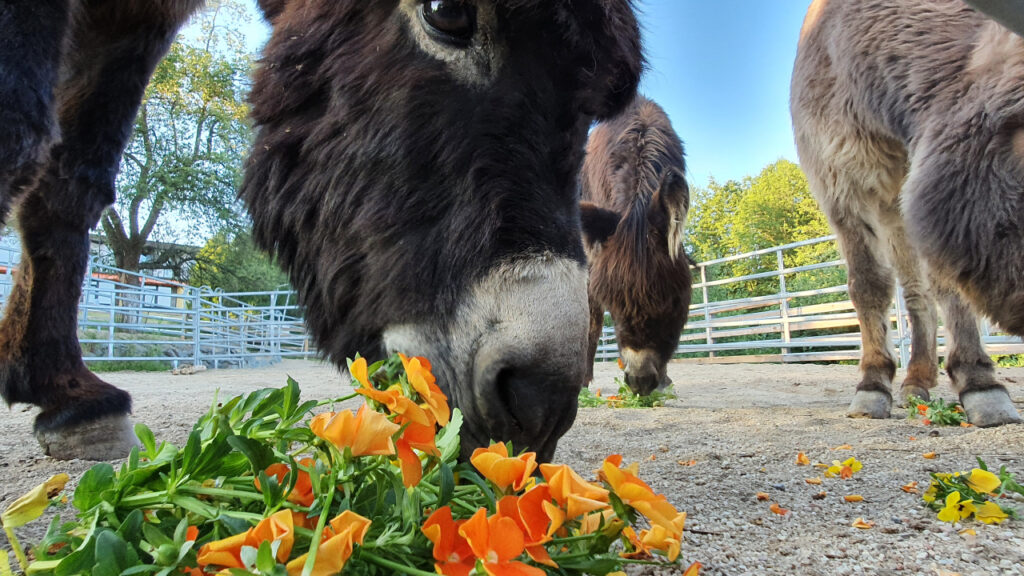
(743, 425)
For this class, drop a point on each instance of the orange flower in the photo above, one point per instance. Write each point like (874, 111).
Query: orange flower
(227, 553)
(418, 372)
(420, 437)
(497, 541)
(191, 533)
(538, 519)
(336, 543)
(636, 493)
(660, 538)
(922, 409)
(393, 398)
(802, 459)
(495, 464)
(358, 370)
(574, 494)
(366, 433)
(452, 554)
(694, 569)
(302, 493)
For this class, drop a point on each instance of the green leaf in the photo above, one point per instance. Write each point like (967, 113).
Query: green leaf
(93, 487)
(592, 565)
(155, 536)
(447, 484)
(265, 560)
(145, 436)
(259, 455)
(131, 528)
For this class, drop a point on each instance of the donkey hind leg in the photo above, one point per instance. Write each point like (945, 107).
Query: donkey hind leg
(28, 75)
(923, 369)
(40, 358)
(986, 402)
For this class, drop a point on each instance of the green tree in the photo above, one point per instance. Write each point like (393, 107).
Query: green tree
(233, 263)
(771, 209)
(183, 163)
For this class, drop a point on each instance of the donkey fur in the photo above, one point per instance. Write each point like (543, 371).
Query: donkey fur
(909, 121)
(635, 200)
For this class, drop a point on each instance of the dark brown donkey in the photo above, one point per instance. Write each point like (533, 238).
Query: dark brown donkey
(414, 171)
(635, 200)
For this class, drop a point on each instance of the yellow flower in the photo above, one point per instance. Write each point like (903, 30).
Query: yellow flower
(983, 481)
(32, 505)
(844, 470)
(956, 510)
(660, 538)
(990, 513)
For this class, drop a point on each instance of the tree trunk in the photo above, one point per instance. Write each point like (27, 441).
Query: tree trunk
(129, 297)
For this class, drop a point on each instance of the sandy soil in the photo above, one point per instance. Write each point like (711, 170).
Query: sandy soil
(742, 424)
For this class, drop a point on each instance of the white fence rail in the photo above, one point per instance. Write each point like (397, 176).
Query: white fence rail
(128, 317)
(763, 307)
(784, 304)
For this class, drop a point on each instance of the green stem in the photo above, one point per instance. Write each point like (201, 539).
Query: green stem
(16, 546)
(398, 568)
(314, 545)
(240, 494)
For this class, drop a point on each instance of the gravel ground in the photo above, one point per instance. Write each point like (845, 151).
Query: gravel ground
(743, 425)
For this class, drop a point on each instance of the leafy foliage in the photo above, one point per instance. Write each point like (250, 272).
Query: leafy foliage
(234, 264)
(258, 460)
(184, 160)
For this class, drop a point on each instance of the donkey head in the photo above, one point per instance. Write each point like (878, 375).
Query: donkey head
(414, 171)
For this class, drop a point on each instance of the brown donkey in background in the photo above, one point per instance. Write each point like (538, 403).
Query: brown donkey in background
(909, 121)
(635, 200)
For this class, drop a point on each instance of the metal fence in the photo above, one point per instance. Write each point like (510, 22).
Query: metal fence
(784, 304)
(129, 317)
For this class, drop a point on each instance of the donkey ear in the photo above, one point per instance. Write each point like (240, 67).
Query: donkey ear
(271, 8)
(598, 223)
(668, 210)
(609, 77)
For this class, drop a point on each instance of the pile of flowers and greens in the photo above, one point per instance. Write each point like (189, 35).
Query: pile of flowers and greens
(262, 486)
(960, 495)
(625, 398)
(936, 412)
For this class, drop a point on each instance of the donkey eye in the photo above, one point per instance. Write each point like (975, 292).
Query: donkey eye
(450, 21)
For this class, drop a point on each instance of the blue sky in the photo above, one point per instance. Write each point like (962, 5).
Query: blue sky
(720, 68)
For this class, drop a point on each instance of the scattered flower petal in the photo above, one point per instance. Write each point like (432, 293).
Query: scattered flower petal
(853, 498)
(929, 455)
(863, 524)
(802, 459)
(778, 509)
(814, 481)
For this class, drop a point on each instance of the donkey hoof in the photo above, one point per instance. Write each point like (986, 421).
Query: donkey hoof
(870, 404)
(107, 438)
(991, 407)
(908, 391)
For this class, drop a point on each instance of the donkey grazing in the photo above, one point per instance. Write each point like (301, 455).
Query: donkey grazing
(414, 171)
(635, 200)
(909, 121)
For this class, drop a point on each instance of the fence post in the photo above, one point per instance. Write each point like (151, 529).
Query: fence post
(783, 302)
(197, 304)
(707, 309)
(901, 328)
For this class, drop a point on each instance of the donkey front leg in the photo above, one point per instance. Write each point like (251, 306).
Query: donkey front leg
(40, 357)
(871, 290)
(985, 400)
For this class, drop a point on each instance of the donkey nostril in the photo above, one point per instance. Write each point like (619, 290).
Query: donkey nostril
(512, 386)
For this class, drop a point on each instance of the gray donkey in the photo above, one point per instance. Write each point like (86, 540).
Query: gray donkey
(909, 122)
